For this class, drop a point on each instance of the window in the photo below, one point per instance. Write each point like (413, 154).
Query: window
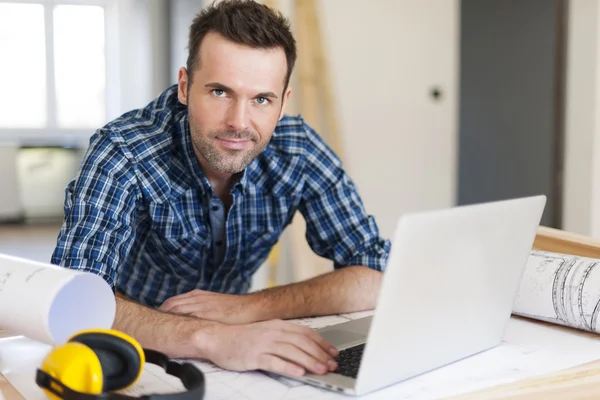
(23, 72)
(53, 69)
(79, 66)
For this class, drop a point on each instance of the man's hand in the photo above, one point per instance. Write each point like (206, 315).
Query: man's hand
(276, 346)
(226, 308)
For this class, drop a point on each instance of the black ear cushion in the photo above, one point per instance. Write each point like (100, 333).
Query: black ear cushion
(120, 360)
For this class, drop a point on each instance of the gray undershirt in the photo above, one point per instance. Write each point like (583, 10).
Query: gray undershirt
(217, 223)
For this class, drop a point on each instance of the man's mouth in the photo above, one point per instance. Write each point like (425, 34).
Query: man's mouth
(233, 144)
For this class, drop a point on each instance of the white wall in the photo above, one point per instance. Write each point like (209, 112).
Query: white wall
(581, 211)
(595, 133)
(384, 57)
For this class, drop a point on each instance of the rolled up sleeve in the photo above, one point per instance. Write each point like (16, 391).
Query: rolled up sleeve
(98, 228)
(337, 224)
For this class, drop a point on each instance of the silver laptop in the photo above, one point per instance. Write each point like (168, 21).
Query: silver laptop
(448, 291)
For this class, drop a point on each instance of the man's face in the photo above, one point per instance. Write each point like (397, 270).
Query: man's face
(234, 102)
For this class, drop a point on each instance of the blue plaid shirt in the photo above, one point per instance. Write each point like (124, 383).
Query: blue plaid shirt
(137, 213)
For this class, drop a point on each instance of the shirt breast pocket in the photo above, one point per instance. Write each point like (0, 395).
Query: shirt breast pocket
(259, 244)
(184, 246)
(183, 255)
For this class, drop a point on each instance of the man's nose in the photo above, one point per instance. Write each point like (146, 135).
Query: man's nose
(237, 116)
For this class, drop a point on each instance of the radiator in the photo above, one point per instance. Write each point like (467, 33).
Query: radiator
(10, 201)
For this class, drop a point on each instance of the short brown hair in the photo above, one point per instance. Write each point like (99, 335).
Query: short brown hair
(244, 22)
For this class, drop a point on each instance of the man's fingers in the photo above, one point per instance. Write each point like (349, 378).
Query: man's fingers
(307, 345)
(188, 304)
(186, 297)
(191, 294)
(297, 355)
(192, 297)
(189, 308)
(269, 362)
(314, 336)
(168, 305)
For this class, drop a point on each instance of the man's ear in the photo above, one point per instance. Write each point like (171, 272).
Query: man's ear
(182, 85)
(284, 101)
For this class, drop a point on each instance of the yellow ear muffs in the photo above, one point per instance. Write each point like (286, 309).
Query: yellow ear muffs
(95, 362)
(120, 356)
(76, 366)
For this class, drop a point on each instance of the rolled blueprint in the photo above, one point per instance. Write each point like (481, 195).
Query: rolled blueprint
(49, 303)
(562, 289)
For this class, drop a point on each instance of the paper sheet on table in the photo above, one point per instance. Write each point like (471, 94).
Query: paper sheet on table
(529, 349)
(49, 303)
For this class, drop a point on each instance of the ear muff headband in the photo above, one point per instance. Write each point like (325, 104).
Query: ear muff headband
(121, 357)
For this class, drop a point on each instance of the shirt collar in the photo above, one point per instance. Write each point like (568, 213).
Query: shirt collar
(246, 182)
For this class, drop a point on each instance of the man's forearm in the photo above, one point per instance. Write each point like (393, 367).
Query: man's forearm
(345, 290)
(174, 335)
(276, 346)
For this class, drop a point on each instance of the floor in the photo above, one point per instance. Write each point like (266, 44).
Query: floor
(32, 241)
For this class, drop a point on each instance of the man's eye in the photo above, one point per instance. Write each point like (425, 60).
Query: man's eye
(218, 92)
(261, 100)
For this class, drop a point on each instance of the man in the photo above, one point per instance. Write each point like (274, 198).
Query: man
(177, 204)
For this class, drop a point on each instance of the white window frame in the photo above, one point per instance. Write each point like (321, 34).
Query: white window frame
(52, 134)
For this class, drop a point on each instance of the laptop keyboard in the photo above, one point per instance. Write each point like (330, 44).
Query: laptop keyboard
(349, 360)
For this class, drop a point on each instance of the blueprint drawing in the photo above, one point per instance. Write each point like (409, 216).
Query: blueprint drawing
(562, 289)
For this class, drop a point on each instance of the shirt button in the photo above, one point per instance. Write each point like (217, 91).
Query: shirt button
(215, 208)
(219, 243)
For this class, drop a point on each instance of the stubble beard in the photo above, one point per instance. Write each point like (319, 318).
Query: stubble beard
(225, 160)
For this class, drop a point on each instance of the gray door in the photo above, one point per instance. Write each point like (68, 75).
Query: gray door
(511, 74)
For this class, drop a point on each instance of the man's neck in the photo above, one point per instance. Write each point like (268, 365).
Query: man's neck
(222, 186)
(221, 182)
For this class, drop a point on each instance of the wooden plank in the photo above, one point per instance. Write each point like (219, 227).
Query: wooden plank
(331, 132)
(271, 4)
(579, 383)
(305, 263)
(307, 73)
(559, 241)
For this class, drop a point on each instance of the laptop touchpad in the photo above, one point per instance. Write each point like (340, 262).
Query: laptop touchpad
(341, 338)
